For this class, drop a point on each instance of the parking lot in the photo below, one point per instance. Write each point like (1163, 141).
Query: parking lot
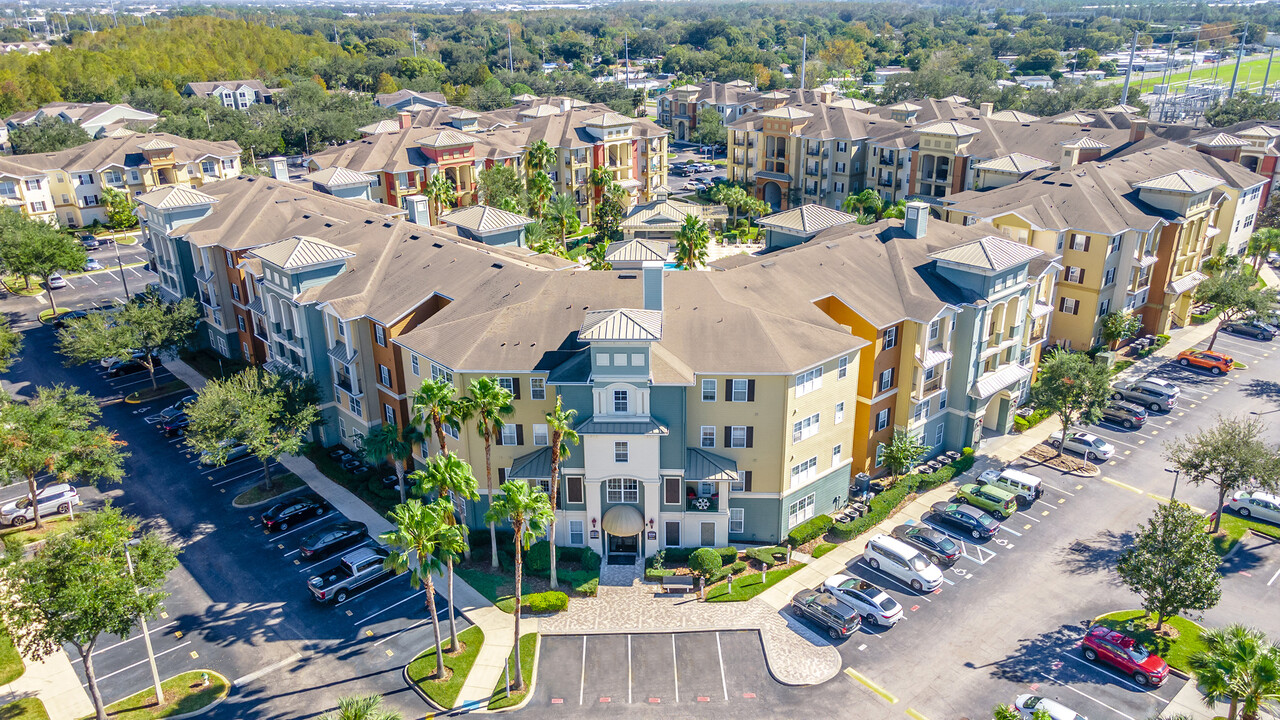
(88, 290)
(239, 602)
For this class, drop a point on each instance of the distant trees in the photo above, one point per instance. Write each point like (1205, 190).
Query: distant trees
(692, 240)
(146, 324)
(1230, 455)
(32, 247)
(1244, 106)
(120, 209)
(710, 128)
(47, 135)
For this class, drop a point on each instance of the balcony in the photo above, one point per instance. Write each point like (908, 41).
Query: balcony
(886, 160)
(693, 502)
(885, 182)
(929, 387)
(344, 383)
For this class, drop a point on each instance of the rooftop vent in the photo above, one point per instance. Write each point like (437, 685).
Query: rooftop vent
(496, 266)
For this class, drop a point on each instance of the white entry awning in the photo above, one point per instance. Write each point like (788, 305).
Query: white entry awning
(622, 521)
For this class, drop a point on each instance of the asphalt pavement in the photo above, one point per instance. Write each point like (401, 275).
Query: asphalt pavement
(86, 290)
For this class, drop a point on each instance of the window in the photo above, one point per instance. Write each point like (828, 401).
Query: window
(802, 473)
(1114, 245)
(621, 452)
(842, 368)
(880, 455)
(942, 400)
(886, 380)
(882, 419)
(804, 429)
(1109, 277)
(1104, 306)
(540, 436)
(739, 390)
(575, 532)
(451, 431)
(235, 289)
(737, 520)
(1080, 242)
(939, 434)
(835, 455)
(743, 483)
(413, 361)
(31, 184)
(240, 322)
(621, 402)
(573, 490)
(1068, 305)
(808, 381)
(839, 186)
(839, 412)
(622, 490)
(537, 388)
(509, 435)
(708, 390)
(930, 373)
(1075, 274)
(738, 436)
(890, 338)
(437, 372)
(508, 384)
(353, 403)
(389, 414)
(380, 335)
(708, 436)
(342, 329)
(384, 375)
(38, 206)
(799, 511)
(207, 167)
(935, 328)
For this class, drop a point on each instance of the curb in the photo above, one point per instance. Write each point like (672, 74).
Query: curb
(533, 683)
(273, 498)
(404, 673)
(211, 705)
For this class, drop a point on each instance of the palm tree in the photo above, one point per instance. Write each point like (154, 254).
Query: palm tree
(897, 211)
(562, 213)
(434, 406)
(1239, 663)
(1262, 243)
(418, 531)
(540, 190)
(539, 157)
(596, 255)
(448, 477)
(560, 423)
(535, 234)
(489, 402)
(394, 445)
(441, 192)
(368, 707)
(691, 243)
(599, 179)
(529, 512)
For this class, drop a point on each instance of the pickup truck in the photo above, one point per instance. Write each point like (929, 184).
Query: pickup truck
(356, 570)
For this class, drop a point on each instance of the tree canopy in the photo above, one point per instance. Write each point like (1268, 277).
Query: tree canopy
(146, 324)
(1230, 455)
(1073, 387)
(1171, 564)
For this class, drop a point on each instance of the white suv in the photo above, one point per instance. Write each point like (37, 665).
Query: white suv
(55, 498)
(1089, 445)
(892, 556)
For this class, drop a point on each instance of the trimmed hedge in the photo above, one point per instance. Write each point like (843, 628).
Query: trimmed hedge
(546, 602)
(705, 562)
(728, 554)
(883, 504)
(736, 568)
(768, 556)
(808, 530)
(1023, 424)
(1161, 341)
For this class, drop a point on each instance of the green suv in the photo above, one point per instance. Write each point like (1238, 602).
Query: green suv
(994, 500)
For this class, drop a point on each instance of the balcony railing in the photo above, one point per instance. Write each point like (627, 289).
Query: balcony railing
(931, 386)
(702, 503)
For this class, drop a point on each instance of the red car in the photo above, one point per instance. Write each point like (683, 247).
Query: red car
(1125, 654)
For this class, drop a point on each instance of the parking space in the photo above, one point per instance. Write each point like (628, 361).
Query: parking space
(639, 672)
(1251, 579)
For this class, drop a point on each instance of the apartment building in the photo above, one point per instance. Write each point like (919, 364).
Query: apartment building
(460, 143)
(234, 94)
(410, 100)
(97, 119)
(25, 188)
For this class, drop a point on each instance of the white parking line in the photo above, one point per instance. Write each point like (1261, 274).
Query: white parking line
(134, 271)
(582, 682)
(140, 662)
(367, 543)
(122, 642)
(964, 544)
(1053, 679)
(1033, 519)
(720, 653)
(1056, 489)
(1273, 578)
(899, 583)
(628, 669)
(1006, 529)
(674, 667)
(362, 621)
(256, 471)
(356, 595)
(1097, 666)
(90, 279)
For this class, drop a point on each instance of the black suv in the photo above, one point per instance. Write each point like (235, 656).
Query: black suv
(940, 549)
(1125, 414)
(838, 619)
(281, 515)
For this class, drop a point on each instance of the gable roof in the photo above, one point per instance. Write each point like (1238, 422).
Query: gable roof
(1221, 140)
(299, 251)
(1183, 181)
(1013, 116)
(629, 324)
(483, 218)
(988, 253)
(337, 177)
(807, 219)
(947, 127)
(1017, 163)
(638, 250)
(175, 196)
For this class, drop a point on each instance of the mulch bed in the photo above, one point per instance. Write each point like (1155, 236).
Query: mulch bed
(1045, 455)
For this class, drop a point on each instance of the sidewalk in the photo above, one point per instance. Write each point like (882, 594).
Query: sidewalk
(55, 683)
(498, 627)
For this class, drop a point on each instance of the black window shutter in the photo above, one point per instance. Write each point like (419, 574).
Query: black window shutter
(519, 434)
(1081, 276)
(1062, 304)
(746, 480)
(497, 436)
(728, 390)
(751, 436)
(1086, 243)
(751, 390)
(515, 388)
(502, 475)
(728, 432)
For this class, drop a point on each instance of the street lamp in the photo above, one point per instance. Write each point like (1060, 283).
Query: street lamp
(1176, 472)
(146, 636)
(120, 265)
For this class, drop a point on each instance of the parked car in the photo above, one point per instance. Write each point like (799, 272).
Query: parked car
(1215, 362)
(940, 549)
(1151, 393)
(108, 362)
(283, 514)
(65, 318)
(1022, 485)
(828, 613)
(90, 242)
(682, 170)
(1125, 654)
(1125, 414)
(965, 518)
(120, 368)
(92, 264)
(1028, 705)
(356, 571)
(999, 503)
(1261, 505)
(338, 536)
(1089, 445)
(56, 282)
(873, 604)
(902, 561)
(238, 450)
(177, 408)
(176, 425)
(1251, 328)
(55, 498)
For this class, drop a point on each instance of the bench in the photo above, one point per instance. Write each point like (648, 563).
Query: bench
(677, 583)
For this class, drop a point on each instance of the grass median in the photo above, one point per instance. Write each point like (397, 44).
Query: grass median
(161, 390)
(24, 709)
(259, 493)
(1233, 528)
(444, 691)
(28, 533)
(749, 586)
(528, 656)
(1175, 643)
(183, 694)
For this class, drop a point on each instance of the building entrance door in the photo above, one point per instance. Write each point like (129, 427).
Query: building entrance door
(623, 550)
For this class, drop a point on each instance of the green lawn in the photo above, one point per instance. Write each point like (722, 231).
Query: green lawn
(528, 655)
(24, 709)
(749, 586)
(11, 665)
(1233, 527)
(25, 534)
(1251, 71)
(182, 694)
(445, 692)
(822, 549)
(258, 493)
(46, 315)
(19, 286)
(1175, 651)
(489, 583)
(161, 390)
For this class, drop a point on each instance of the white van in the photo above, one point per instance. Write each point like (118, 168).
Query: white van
(892, 556)
(1025, 486)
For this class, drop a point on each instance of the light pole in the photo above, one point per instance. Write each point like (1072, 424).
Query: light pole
(1176, 472)
(146, 637)
(120, 266)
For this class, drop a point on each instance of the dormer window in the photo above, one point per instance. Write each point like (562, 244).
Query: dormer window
(621, 402)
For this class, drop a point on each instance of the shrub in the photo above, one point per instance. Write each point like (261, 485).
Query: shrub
(727, 554)
(538, 559)
(965, 461)
(1035, 418)
(590, 560)
(679, 556)
(768, 556)
(546, 602)
(809, 530)
(590, 587)
(657, 573)
(705, 562)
